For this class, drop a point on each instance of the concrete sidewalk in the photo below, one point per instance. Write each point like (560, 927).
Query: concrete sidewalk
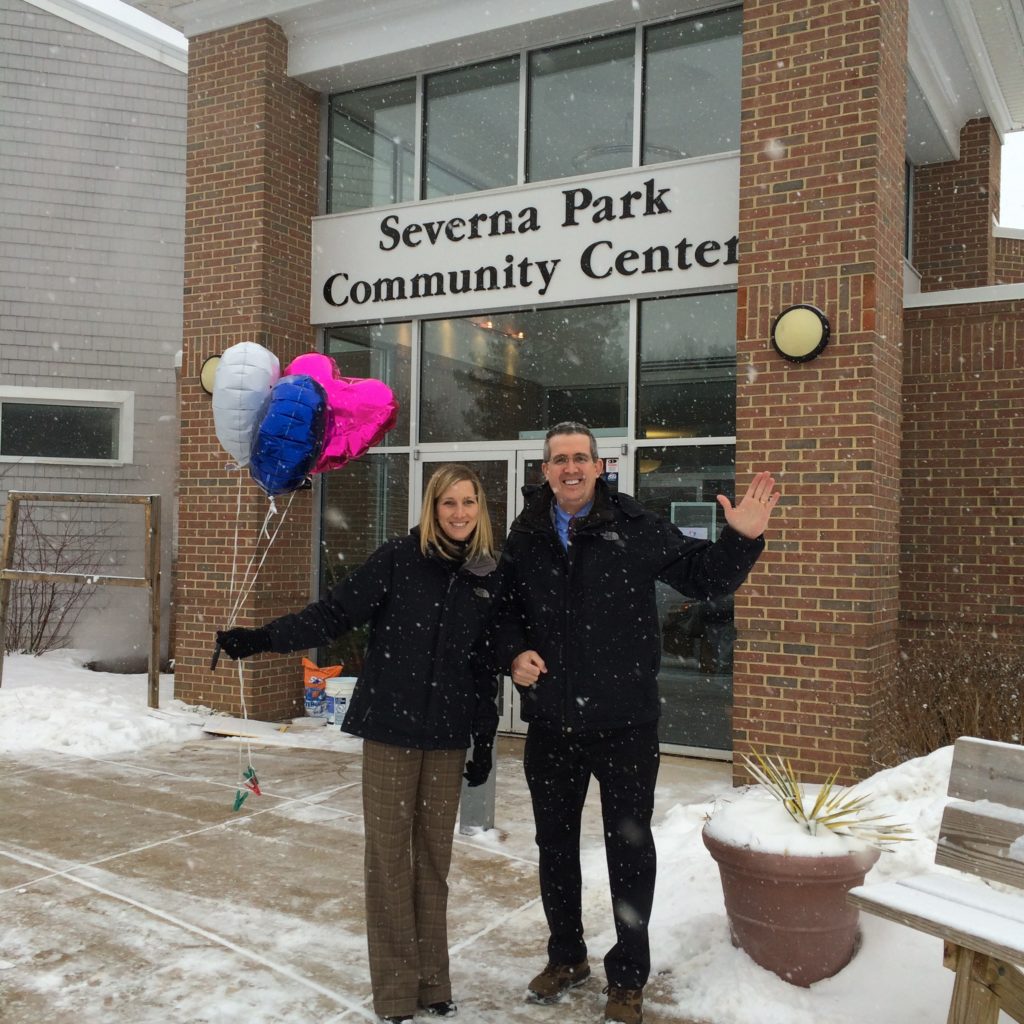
(131, 892)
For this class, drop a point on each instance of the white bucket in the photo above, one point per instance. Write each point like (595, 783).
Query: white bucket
(339, 696)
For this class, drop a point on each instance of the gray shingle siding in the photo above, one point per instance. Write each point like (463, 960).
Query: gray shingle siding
(92, 204)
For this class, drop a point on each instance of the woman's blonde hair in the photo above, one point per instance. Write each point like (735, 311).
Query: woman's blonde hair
(481, 541)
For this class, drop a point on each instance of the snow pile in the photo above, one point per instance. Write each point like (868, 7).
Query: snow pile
(54, 703)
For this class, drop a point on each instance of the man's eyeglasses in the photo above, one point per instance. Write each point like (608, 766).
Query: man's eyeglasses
(579, 459)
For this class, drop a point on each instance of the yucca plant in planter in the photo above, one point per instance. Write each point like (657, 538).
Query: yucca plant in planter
(787, 856)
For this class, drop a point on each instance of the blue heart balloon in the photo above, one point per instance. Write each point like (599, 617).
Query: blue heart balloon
(290, 435)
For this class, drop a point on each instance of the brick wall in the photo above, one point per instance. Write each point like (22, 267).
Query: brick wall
(954, 206)
(961, 524)
(1009, 260)
(821, 170)
(251, 191)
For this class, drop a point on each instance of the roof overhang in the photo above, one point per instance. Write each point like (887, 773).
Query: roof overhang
(116, 30)
(965, 58)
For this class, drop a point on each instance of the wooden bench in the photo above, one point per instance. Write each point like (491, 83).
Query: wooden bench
(982, 836)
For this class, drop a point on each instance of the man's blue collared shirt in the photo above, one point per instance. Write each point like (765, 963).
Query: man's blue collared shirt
(562, 521)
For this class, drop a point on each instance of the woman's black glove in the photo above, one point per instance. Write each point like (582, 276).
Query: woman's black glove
(478, 768)
(241, 643)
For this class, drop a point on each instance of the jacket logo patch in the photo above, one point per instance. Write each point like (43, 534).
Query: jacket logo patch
(610, 535)
(480, 592)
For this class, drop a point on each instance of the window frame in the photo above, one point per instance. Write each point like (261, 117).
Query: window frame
(122, 401)
(422, 155)
(525, 57)
(636, 99)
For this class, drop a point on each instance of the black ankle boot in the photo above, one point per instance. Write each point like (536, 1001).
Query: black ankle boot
(444, 1008)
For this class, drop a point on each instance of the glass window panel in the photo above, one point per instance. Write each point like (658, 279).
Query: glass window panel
(695, 682)
(372, 145)
(687, 377)
(692, 87)
(511, 375)
(382, 351)
(59, 431)
(471, 129)
(362, 506)
(581, 108)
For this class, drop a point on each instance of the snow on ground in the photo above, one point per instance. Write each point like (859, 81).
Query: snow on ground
(54, 703)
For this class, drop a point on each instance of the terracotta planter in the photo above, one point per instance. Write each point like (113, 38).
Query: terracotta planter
(789, 913)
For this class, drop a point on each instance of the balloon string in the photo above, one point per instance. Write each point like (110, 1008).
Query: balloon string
(251, 570)
(238, 518)
(245, 718)
(248, 582)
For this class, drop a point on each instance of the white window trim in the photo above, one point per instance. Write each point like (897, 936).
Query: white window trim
(124, 401)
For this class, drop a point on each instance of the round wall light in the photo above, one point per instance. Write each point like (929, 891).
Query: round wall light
(800, 333)
(208, 373)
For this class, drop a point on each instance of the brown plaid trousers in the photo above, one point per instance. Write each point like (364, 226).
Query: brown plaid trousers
(410, 801)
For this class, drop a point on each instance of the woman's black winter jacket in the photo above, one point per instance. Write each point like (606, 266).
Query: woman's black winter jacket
(591, 612)
(424, 683)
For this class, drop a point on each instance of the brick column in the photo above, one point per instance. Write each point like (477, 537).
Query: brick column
(250, 194)
(822, 143)
(954, 206)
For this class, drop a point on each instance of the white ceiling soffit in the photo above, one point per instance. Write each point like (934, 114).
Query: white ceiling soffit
(116, 31)
(338, 49)
(927, 141)
(194, 17)
(965, 57)
(940, 94)
(377, 27)
(992, 32)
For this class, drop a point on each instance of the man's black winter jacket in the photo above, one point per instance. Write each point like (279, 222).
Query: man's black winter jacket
(591, 612)
(423, 684)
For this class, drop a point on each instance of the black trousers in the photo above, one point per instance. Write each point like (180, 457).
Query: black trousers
(558, 770)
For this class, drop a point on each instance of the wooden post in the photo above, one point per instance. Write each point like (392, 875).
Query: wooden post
(10, 523)
(1008, 985)
(151, 556)
(973, 1001)
(153, 575)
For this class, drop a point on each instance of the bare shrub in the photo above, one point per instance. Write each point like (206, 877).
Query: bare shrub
(954, 682)
(42, 614)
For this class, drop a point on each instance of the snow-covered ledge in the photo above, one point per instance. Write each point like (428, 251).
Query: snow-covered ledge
(965, 296)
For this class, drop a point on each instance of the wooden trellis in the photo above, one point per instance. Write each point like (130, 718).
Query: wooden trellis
(151, 559)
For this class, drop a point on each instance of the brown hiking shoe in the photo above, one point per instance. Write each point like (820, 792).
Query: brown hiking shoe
(625, 1005)
(555, 980)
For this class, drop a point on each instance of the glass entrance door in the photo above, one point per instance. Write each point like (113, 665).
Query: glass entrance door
(695, 681)
(504, 474)
(381, 497)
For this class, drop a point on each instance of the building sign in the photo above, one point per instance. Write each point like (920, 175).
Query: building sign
(630, 233)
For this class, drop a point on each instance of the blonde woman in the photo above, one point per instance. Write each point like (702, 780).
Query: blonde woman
(424, 692)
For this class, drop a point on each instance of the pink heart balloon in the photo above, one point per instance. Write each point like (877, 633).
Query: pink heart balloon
(360, 410)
